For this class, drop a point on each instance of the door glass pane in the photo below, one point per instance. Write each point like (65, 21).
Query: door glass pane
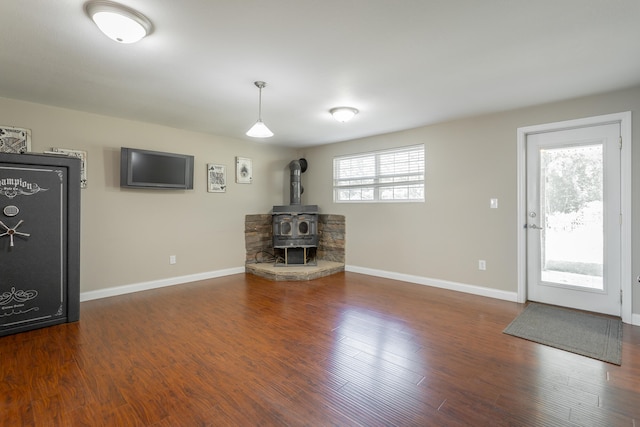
(571, 199)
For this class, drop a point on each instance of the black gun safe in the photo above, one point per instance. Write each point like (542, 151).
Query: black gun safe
(39, 241)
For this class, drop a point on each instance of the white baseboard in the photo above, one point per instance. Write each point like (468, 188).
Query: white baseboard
(444, 284)
(154, 284)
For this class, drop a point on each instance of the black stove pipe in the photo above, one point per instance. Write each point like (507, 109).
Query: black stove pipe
(297, 168)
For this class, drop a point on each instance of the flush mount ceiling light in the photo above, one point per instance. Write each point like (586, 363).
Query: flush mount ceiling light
(343, 114)
(259, 129)
(118, 22)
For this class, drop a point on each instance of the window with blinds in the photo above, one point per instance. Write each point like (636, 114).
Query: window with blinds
(395, 175)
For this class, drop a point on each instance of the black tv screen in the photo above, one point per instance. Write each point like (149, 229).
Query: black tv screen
(155, 169)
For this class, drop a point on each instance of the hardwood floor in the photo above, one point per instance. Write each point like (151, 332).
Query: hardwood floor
(344, 350)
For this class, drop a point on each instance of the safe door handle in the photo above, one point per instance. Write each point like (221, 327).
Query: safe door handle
(12, 231)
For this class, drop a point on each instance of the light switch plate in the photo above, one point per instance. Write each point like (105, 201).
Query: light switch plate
(493, 203)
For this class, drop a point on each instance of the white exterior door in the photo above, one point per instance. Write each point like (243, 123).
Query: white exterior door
(573, 218)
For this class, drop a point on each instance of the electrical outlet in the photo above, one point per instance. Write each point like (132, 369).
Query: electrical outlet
(482, 264)
(172, 259)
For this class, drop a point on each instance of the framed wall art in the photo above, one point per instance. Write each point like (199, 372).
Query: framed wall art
(14, 140)
(244, 170)
(82, 155)
(216, 178)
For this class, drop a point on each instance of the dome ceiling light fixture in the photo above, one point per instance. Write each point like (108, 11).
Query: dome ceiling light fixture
(259, 129)
(118, 22)
(343, 114)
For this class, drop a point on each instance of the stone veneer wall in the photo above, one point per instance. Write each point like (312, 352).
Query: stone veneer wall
(258, 237)
(331, 233)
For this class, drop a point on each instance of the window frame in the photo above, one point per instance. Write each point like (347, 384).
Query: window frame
(378, 179)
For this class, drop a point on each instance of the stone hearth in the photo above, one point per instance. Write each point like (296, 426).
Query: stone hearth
(294, 273)
(330, 253)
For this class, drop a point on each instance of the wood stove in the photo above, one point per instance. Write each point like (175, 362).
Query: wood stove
(295, 226)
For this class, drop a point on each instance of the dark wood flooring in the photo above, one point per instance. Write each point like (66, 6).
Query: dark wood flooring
(344, 350)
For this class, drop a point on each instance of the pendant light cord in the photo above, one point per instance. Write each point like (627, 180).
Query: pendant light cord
(260, 104)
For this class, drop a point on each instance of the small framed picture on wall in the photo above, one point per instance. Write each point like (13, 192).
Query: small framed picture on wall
(15, 140)
(244, 170)
(80, 154)
(216, 178)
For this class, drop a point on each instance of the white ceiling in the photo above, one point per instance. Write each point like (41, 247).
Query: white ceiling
(402, 63)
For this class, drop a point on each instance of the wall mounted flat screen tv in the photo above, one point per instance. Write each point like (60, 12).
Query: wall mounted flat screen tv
(155, 169)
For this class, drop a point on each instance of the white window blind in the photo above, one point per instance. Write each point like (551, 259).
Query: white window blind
(395, 175)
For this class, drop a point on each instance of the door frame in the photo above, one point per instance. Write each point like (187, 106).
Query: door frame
(624, 119)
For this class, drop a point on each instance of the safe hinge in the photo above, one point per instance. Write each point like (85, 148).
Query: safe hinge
(620, 142)
(620, 296)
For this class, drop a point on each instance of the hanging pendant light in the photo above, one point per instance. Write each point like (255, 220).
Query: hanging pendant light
(259, 129)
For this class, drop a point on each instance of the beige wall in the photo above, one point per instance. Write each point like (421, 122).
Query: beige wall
(468, 162)
(128, 235)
